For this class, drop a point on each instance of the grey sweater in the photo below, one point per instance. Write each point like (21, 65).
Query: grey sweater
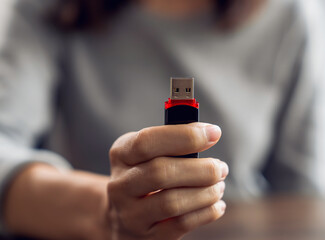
(64, 99)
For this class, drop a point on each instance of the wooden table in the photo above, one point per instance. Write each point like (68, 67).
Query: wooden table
(273, 218)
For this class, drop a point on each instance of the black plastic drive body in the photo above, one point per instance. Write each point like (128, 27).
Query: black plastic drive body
(182, 114)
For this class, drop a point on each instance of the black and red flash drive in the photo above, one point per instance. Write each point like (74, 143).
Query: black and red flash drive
(182, 107)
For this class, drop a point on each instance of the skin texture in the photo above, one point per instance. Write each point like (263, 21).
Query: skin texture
(47, 204)
(148, 196)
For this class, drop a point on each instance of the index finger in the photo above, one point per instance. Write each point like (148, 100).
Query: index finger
(168, 140)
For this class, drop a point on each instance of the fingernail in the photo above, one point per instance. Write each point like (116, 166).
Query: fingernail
(213, 133)
(222, 205)
(224, 170)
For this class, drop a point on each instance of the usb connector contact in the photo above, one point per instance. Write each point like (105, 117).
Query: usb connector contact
(182, 107)
(181, 88)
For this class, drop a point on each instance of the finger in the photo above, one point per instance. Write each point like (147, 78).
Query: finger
(179, 226)
(176, 202)
(171, 140)
(166, 173)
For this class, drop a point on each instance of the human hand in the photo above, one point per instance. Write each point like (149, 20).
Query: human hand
(155, 196)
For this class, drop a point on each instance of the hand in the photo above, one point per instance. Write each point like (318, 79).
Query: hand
(155, 196)
(149, 196)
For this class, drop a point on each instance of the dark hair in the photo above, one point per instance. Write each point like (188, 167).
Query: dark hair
(90, 14)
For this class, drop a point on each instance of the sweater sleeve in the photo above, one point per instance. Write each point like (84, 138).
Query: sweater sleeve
(298, 160)
(28, 73)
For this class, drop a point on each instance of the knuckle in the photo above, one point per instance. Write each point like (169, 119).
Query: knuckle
(157, 173)
(215, 193)
(212, 171)
(119, 149)
(114, 153)
(141, 143)
(169, 205)
(112, 187)
(193, 138)
(118, 186)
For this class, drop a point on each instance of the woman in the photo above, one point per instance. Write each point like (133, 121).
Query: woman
(98, 69)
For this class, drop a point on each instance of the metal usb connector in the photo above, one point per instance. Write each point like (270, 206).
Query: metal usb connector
(181, 88)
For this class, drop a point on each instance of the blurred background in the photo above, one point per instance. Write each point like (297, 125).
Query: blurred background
(76, 75)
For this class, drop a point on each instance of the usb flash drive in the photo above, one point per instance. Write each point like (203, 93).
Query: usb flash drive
(182, 107)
